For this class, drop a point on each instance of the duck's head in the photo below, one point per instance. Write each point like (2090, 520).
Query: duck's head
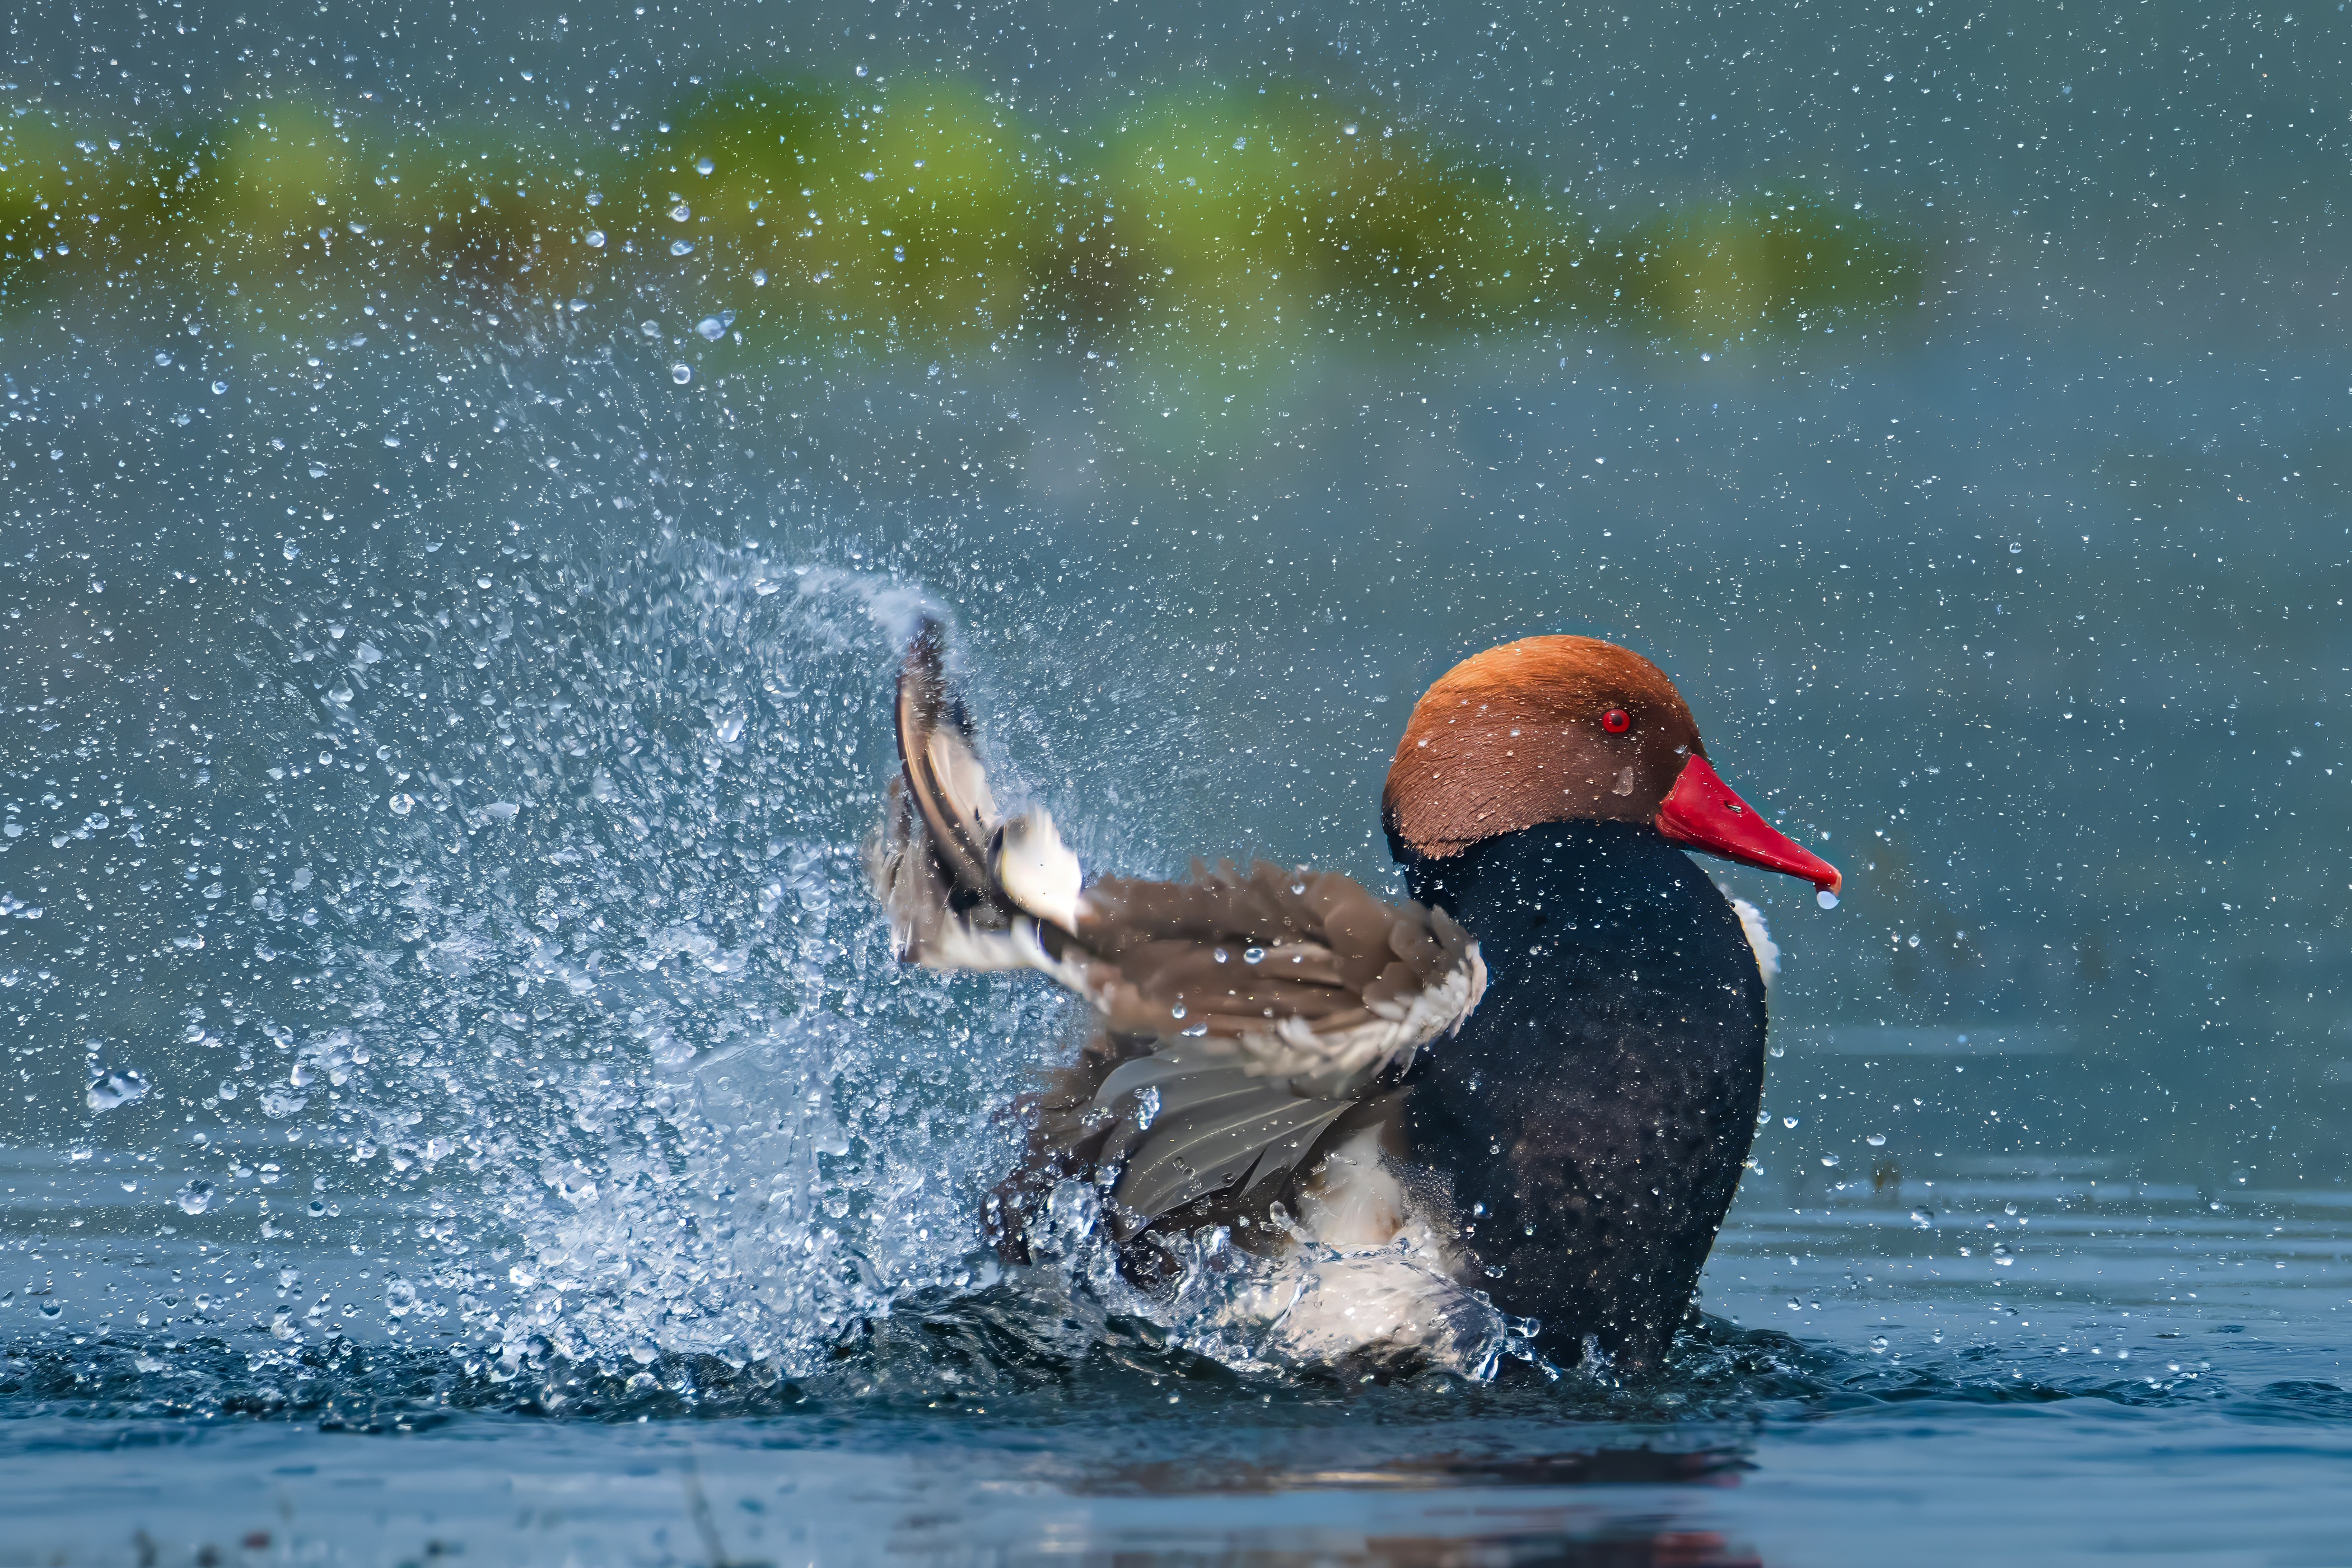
(1562, 729)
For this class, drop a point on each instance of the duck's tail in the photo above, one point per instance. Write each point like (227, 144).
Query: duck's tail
(964, 886)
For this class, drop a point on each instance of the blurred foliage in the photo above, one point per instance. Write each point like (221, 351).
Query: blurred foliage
(929, 214)
(917, 219)
(1241, 209)
(1716, 271)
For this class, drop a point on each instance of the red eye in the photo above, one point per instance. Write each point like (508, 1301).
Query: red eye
(1616, 720)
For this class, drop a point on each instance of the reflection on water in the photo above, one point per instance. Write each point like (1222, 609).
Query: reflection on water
(1615, 1467)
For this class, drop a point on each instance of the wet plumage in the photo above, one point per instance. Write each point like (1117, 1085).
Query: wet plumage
(1548, 1063)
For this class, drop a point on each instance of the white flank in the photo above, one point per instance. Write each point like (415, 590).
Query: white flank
(1767, 951)
(1376, 1276)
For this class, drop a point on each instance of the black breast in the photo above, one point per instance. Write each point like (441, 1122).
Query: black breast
(1594, 1113)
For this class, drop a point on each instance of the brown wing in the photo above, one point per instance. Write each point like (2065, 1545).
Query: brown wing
(964, 886)
(1249, 1020)
(1285, 974)
(1246, 1017)
(1176, 1134)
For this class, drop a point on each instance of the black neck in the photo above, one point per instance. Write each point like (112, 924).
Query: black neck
(1599, 1102)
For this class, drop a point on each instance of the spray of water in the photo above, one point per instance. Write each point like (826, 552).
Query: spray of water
(626, 1041)
(618, 969)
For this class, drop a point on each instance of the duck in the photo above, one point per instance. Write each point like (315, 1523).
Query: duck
(1542, 1070)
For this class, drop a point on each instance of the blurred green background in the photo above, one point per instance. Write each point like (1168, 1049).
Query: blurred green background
(929, 213)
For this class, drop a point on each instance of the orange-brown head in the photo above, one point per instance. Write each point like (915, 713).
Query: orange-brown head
(1558, 728)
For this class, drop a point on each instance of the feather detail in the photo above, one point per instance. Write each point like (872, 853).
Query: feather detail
(1254, 1012)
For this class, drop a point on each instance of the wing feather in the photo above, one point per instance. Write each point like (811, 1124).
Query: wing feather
(1193, 1128)
(1245, 1014)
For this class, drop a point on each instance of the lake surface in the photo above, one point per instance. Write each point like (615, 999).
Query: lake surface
(2148, 1376)
(462, 1105)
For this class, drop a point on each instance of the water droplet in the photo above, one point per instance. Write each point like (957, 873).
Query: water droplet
(399, 1297)
(402, 805)
(712, 328)
(1177, 1011)
(704, 166)
(1826, 899)
(1923, 1218)
(116, 1086)
(595, 238)
(759, 277)
(162, 357)
(681, 247)
(1830, 1160)
(51, 1309)
(1253, 955)
(293, 550)
(1788, 1121)
(227, 1089)
(576, 1186)
(681, 212)
(194, 1198)
(681, 373)
(1877, 1139)
(1146, 1108)
(219, 387)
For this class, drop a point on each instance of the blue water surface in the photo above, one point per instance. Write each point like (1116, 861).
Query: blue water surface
(461, 1103)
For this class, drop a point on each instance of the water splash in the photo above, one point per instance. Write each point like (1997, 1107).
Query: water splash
(598, 1004)
(112, 1087)
(522, 962)
(1265, 1314)
(725, 1122)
